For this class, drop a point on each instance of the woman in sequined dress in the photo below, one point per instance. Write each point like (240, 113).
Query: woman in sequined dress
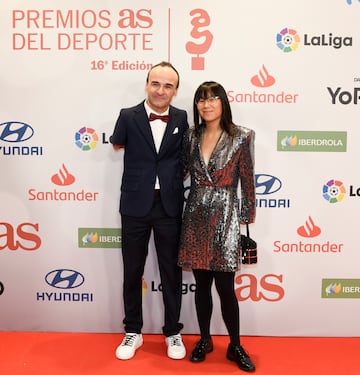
(218, 155)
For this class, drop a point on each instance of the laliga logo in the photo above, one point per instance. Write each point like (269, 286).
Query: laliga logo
(200, 20)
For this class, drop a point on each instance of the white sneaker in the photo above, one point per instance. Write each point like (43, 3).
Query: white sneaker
(175, 347)
(130, 343)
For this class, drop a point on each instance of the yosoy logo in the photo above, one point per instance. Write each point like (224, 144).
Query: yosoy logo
(343, 96)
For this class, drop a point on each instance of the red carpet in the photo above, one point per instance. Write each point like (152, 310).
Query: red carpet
(85, 353)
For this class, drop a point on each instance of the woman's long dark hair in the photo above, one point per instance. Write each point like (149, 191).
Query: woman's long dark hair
(205, 90)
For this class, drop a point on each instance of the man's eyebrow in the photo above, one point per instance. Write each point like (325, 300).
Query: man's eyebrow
(165, 84)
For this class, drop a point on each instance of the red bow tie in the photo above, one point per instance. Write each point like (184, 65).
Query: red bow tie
(154, 116)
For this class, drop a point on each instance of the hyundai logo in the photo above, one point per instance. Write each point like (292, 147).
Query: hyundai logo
(64, 279)
(267, 184)
(14, 131)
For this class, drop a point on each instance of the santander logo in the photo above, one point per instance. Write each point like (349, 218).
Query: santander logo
(262, 78)
(63, 177)
(302, 247)
(309, 229)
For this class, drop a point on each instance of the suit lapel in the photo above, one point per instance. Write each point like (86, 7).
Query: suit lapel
(169, 130)
(142, 122)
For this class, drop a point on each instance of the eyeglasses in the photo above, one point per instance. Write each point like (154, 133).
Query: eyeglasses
(211, 100)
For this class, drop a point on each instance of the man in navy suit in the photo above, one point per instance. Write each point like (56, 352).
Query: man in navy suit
(152, 198)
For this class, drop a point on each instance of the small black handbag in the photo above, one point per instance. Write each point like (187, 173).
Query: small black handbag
(248, 248)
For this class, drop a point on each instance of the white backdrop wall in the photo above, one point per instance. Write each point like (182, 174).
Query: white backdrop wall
(292, 74)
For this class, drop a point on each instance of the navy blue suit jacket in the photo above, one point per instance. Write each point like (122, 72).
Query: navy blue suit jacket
(142, 163)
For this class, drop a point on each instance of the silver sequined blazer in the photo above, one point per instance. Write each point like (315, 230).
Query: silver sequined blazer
(210, 237)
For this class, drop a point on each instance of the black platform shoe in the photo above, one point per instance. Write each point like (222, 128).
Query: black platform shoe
(203, 347)
(238, 354)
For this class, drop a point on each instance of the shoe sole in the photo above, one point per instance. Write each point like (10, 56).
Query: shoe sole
(201, 360)
(233, 359)
(179, 356)
(124, 358)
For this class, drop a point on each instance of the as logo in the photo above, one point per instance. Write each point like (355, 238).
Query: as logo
(23, 237)
(267, 288)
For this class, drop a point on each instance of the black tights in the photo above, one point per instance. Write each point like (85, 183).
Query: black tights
(224, 283)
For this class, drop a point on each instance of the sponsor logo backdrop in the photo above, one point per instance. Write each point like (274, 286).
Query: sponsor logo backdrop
(66, 69)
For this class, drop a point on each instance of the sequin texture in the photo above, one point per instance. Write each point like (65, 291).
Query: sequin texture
(210, 237)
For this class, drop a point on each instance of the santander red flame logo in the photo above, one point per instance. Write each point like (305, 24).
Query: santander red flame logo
(263, 78)
(309, 229)
(200, 20)
(63, 177)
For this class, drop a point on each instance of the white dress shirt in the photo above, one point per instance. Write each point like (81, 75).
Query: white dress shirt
(158, 129)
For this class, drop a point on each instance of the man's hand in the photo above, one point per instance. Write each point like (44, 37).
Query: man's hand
(117, 147)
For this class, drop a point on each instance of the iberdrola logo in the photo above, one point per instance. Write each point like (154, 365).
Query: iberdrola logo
(90, 238)
(333, 289)
(289, 141)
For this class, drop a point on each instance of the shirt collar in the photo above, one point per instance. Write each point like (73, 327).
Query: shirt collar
(150, 110)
